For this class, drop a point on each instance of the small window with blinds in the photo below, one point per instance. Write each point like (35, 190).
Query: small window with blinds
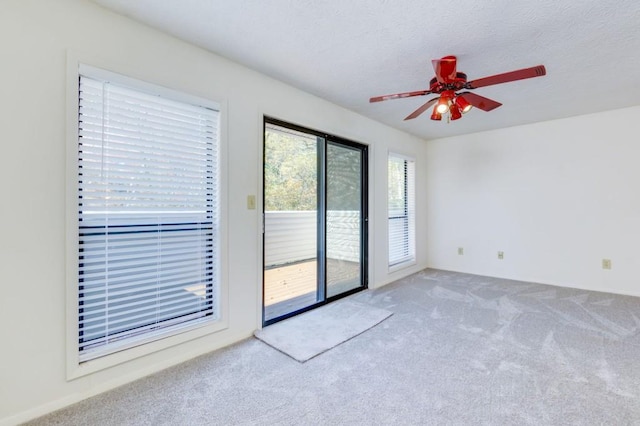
(401, 208)
(148, 261)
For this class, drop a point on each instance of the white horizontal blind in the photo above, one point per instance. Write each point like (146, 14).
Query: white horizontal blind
(148, 216)
(401, 175)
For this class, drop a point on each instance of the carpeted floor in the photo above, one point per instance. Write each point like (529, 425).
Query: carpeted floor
(458, 350)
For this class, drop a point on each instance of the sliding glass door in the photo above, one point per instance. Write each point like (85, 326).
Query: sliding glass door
(315, 219)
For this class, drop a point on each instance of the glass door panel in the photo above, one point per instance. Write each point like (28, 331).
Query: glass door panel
(344, 227)
(290, 222)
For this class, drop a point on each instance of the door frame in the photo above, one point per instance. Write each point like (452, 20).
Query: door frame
(322, 211)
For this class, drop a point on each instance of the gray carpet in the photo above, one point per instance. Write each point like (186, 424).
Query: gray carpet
(310, 334)
(459, 350)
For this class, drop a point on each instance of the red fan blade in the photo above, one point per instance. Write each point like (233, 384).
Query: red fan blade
(445, 69)
(537, 71)
(478, 101)
(399, 95)
(422, 109)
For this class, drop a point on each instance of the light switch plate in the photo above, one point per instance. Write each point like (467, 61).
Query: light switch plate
(251, 202)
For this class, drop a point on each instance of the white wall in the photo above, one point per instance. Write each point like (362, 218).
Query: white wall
(35, 36)
(556, 197)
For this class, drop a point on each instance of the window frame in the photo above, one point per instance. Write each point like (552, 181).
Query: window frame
(409, 201)
(75, 368)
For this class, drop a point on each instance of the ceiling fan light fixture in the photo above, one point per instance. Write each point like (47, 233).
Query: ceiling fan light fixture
(435, 115)
(443, 105)
(454, 111)
(462, 104)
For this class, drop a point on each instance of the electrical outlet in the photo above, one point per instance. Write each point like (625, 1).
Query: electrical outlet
(500, 255)
(606, 263)
(251, 202)
(460, 251)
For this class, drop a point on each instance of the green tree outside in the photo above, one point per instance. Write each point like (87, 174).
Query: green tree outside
(290, 172)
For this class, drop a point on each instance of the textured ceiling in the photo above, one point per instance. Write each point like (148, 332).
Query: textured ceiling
(348, 51)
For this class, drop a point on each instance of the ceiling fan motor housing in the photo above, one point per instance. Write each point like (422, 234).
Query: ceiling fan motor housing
(458, 83)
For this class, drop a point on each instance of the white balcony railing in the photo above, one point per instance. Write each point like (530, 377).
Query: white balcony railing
(291, 236)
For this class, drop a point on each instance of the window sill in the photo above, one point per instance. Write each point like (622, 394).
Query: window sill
(76, 369)
(400, 266)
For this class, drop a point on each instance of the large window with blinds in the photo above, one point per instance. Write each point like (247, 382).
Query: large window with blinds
(401, 210)
(147, 214)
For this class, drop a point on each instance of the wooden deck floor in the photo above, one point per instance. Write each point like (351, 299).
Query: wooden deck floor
(292, 287)
(286, 282)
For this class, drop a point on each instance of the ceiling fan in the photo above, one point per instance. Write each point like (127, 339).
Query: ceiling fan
(448, 81)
